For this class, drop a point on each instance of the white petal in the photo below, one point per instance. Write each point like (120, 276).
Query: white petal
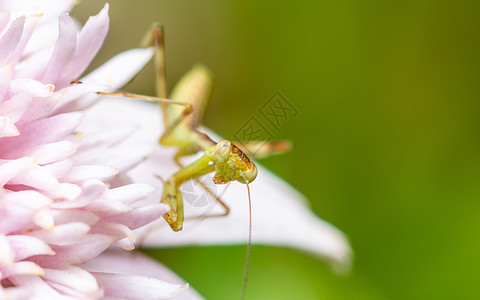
(75, 215)
(139, 216)
(82, 173)
(4, 19)
(84, 250)
(7, 128)
(74, 278)
(108, 208)
(65, 234)
(36, 177)
(118, 286)
(10, 39)
(45, 130)
(120, 69)
(31, 87)
(15, 107)
(7, 255)
(35, 200)
(24, 268)
(44, 219)
(53, 152)
(59, 169)
(128, 194)
(31, 7)
(118, 231)
(64, 192)
(91, 191)
(280, 215)
(14, 217)
(36, 286)
(122, 262)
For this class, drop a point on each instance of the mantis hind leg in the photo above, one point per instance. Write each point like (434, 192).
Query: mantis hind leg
(193, 88)
(156, 37)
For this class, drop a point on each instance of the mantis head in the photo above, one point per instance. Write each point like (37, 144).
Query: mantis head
(232, 164)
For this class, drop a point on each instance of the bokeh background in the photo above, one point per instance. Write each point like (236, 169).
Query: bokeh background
(386, 140)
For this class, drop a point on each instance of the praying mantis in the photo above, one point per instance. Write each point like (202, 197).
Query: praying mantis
(182, 113)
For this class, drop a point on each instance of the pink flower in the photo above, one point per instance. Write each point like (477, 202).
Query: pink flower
(69, 202)
(62, 203)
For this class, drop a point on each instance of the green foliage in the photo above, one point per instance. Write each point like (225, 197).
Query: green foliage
(386, 141)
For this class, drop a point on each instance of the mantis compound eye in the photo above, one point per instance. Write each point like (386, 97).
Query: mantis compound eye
(222, 151)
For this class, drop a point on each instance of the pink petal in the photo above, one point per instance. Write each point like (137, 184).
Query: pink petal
(43, 39)
(36, 286)
(59, 169)
(53, 152)
(35, 201)
(40, 132)
(86, 249)
(5, 77)
(64, 192)
(26, 246)
(15, 107)
(15, 293)
(74, 94)
(118, 231)
(91, 191)
(23, 268)
(108, 208)
(27, 32)
(119, 286)
(10, 39)
(36, 177)
(40, 107)
(31, 87)
(89, 42)
(7, 255)
(73, 281)
(67, 216)
(9, 169)
(139, 217)
(32, 65)
(64, 50)
(65, 234)
(4, 19)
(14, 217)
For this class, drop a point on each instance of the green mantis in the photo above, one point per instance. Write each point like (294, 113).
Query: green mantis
(182, 112)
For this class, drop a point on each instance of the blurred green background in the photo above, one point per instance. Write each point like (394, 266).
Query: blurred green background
(386, 141)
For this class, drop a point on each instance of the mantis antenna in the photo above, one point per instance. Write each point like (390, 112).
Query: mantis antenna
(249, 245)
